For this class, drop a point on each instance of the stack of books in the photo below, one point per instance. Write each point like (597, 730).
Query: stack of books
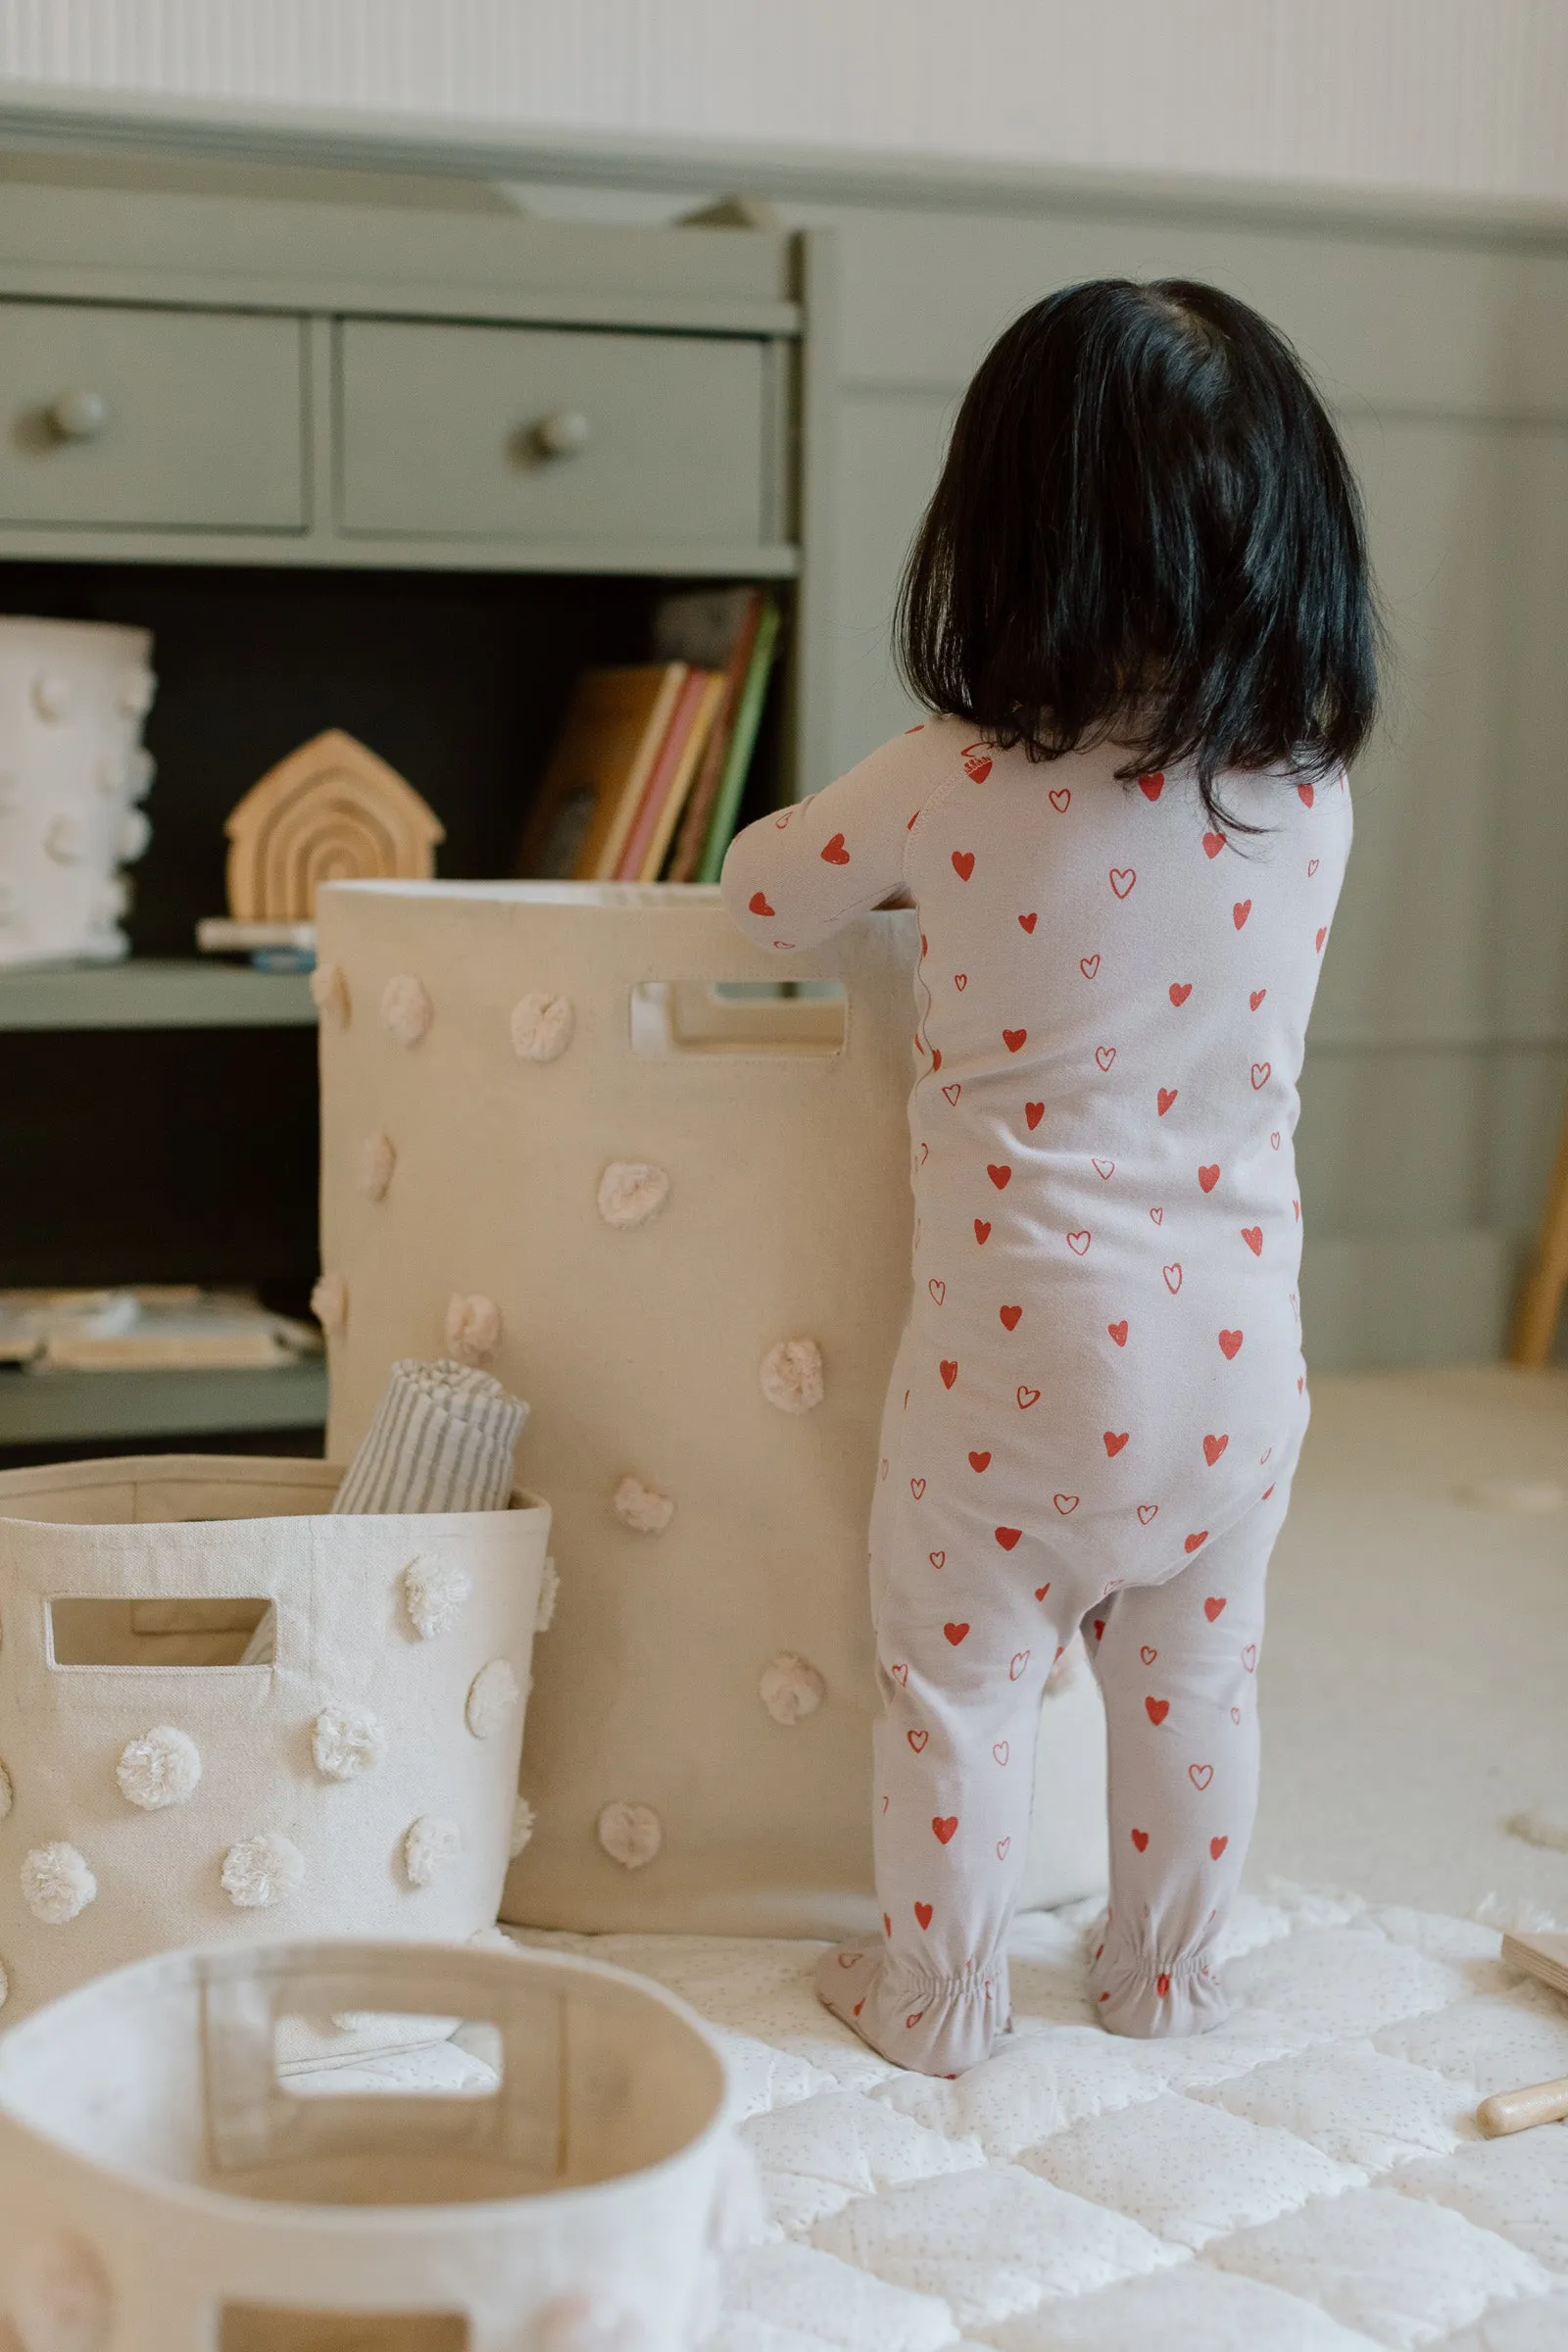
(648, 773)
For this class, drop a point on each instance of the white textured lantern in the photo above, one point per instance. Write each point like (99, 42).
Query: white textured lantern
(72, 698)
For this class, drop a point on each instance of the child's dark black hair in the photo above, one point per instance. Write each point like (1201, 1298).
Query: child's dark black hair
(1147, 533)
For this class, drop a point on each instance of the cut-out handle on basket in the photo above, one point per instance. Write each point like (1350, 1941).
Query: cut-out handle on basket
(254, 2118)
(279, 2327)
(808, 1017)
(157, 1634)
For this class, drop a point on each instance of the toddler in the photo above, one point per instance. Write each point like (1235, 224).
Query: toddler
(1139, 613)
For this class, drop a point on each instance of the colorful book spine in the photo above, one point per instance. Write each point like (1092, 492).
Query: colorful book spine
(661, 775)
(687, 855)
(680, 790)
(743, 738)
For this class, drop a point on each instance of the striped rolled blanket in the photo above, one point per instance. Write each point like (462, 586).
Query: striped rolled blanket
(442, 1440)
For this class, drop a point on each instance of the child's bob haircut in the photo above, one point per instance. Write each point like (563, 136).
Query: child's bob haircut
(1147, 533)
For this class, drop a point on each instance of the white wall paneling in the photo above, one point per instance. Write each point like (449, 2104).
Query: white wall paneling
(1468, 95)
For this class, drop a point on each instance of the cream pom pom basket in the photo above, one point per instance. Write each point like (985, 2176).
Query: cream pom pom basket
(225, 1712)
(164, 2189)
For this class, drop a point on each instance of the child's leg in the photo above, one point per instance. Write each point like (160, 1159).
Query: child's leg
(965, 1643)
(1176, 1663)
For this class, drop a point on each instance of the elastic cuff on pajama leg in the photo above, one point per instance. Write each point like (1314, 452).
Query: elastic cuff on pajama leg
(1137, 1994)
(933, 2025)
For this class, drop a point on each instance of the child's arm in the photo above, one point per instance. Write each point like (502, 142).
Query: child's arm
(792, 879)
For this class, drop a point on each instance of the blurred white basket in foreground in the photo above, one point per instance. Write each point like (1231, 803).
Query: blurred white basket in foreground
(163, 2189)
(359, 1777)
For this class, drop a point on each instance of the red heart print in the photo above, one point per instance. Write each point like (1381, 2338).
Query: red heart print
(757, 905)
(925, 1153)
(1027, 1398)
(1297, 1205)
(1257, 997)
(1180, 991)
(1065, 1503)
(1306, 795)
(913, 2018)
(1208, 1177)
(1147, 1653)
(1166, 1097)
(1268, 1491)
(1152, 786)
(982, 1231)
(1274, 1140)
(1020, 1659)
(937, 1288)
(944, 1827)
(1118, 1331)
(1041, 1591)
(783, 943)
(1250, 1657)
(900, 1674)
(1214, 1607)
(1003, 1849)
(1252, 1236)
(1312, 865)
(1011, 1317)
(847, 1959)
(1214, 843)
(1105, 1055)
(1157, 1710)
(948, 1371)
(1027, 923)
(936, 1064)
(917, 1740)
(1173, 1278)
(979, 1461)
(1321, 937)
(1001, 1177)
(1260, 1075)
(834, 853)
(938, 1559)
(1061, 799)
(1162, 1985)
(1104, 1169)
(1216, 1846)
(917, 1487)
(1089, 966)
(1140, 1838)
(1122, 878)
(976, 762)
(1200, 1775)
(1213, 1447)
(1158, 1215)
(1240, 911)
(1099, 1631)
(1034, 1112)
(954, 1633)
(960, 981)
(1230, 1343)
(1007, 1537)
(1115, 1440)
(922, 1913)
(964, 864)
(1236, 1714)
(1079, 1242)
(1000, 1750)
(954, 1091)
(1147, 1512)
(1193, 1542)
(779, 822)
(1015, 1039)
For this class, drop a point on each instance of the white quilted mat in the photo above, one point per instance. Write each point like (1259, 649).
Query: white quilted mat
(1309, 2179)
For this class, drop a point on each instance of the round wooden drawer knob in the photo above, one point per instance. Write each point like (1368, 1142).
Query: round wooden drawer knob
(79, 415)
(563, 433)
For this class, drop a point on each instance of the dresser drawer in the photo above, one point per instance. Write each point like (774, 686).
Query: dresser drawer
(149, 418)
(570, 437)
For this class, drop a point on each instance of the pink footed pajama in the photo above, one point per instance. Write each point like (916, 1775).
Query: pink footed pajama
(1099, 1396)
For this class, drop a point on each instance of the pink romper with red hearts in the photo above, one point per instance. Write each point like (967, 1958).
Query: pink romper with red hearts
(1100, 1397)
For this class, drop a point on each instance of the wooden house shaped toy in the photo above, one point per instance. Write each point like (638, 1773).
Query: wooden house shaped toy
(331, 812)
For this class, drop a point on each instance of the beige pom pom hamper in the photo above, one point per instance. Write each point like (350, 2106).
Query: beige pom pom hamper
(669, 1204)
(158, 1790)
(163, 2189)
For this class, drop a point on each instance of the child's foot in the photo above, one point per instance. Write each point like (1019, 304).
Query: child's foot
(935, 2026)
(1134, 1995)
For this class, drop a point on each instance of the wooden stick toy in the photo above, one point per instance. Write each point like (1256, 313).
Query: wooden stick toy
(1545, 1957)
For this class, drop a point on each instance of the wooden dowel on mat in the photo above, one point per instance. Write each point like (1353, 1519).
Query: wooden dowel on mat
(1517, 2109)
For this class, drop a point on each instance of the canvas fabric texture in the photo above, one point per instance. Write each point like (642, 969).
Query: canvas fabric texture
(360, 1729)
(579, 2204)
(443, 1438)
(642, 1349)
